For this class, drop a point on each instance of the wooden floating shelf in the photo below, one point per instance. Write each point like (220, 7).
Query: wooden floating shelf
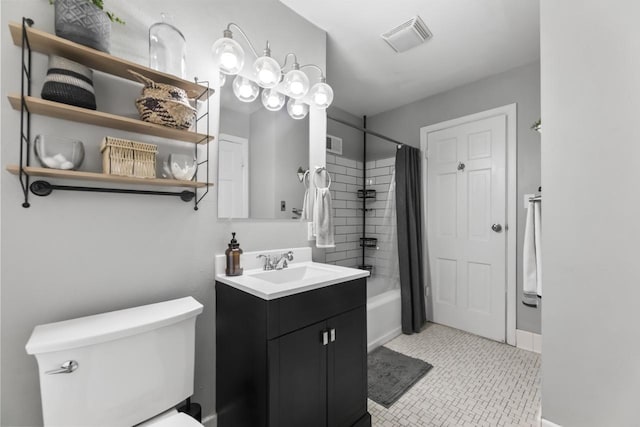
(101, 177)
(43, 42)
(99, 118)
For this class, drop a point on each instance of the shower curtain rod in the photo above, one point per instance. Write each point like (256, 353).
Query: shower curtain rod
(365, 130)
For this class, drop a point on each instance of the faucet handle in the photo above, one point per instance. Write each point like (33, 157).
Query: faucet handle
(288, 255)
(267, 264)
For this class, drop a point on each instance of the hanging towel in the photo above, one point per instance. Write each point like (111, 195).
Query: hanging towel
(307, 203)
(532, 257)
(323, 219)
(537, 231)
(323, 212)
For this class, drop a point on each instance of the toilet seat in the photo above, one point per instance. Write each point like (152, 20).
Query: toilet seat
(171, 418)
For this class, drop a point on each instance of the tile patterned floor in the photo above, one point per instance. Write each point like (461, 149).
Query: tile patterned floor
(474, 382)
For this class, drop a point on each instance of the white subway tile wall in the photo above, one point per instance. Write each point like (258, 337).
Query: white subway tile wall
(347, 176)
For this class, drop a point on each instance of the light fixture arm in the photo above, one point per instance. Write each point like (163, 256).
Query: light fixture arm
(323, 79)
(295, 64)
(228, 33)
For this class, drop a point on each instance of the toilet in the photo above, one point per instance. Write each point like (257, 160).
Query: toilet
(122, 368)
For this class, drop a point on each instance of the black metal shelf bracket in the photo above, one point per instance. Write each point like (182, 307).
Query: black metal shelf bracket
(204, 117)
(25, 114)
(44, 188)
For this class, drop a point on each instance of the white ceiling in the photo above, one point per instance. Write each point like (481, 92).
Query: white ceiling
(472, 39)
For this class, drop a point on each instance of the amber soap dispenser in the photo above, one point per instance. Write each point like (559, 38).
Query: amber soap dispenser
(233, 253)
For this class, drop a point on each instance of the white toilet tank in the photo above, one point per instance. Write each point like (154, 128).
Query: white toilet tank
(131, 364)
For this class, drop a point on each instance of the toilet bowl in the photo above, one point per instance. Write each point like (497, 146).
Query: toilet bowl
(122, 368)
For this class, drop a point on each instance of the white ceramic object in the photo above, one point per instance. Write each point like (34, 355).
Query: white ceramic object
(133, 364)
(301, 275)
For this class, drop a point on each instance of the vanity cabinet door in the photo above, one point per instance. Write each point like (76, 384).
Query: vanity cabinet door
(347, 368)
(298, 378)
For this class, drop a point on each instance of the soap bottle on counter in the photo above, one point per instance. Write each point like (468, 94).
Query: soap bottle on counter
(233, 257)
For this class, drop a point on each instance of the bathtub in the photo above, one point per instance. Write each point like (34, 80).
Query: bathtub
(383, 316)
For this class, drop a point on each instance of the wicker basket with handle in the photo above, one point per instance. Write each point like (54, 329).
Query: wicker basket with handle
(128, 158)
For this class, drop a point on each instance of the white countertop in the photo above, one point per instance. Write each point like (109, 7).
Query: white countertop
(304, 274)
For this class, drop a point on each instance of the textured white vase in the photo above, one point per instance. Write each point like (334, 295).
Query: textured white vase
(83, 22)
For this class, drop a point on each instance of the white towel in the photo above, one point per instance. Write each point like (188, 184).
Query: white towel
(532, 253)
(323, 219)
(309, 198)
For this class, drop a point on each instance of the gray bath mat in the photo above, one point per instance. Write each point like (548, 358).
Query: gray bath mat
(391, 374)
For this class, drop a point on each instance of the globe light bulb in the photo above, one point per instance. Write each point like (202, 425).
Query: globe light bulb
(245, 90)
(296, 84)
(272, 99)
(297, 109)
(321, 95)
(267, 71)
(228, 55)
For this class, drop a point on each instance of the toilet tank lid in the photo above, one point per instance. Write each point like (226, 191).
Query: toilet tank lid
(109, 326)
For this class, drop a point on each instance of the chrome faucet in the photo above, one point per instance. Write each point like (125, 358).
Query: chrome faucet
(282, 261)
(276, 262)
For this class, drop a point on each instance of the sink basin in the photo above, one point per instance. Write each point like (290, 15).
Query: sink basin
(292, 274)
(301, 275)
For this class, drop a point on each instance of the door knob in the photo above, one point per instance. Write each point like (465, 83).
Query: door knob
(461, 166)
(496, 227)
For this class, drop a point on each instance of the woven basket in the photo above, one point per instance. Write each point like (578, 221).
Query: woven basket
(164, 104)
(69, 82)
(166, 112)
(128, 158)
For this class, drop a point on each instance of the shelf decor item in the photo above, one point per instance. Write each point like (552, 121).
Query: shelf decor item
(164, 104)
(69, 83)
(128, 158)
(182, 166)
(84, 22)
(167, 48)
(55, 152)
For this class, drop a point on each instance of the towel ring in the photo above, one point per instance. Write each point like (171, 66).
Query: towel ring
(318, 172)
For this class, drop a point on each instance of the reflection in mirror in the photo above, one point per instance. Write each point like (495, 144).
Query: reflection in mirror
(259, 154)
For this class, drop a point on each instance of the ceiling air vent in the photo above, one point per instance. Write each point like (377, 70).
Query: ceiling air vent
(408, 35)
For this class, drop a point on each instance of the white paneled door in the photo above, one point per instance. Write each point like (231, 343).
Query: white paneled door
(233, 177)
(466, 212)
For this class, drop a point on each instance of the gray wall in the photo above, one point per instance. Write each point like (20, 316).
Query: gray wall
(522, 86)
(352, 143)
(75, 254)
(590, 160)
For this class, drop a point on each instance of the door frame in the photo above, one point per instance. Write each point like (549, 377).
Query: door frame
(244, 142)
(511, 227)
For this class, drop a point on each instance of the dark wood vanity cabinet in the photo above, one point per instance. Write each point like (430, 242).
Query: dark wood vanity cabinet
(299, 360)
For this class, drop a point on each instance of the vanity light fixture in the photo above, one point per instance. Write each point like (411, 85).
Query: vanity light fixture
(277, 84)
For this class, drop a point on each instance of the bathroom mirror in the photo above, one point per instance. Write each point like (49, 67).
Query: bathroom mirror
(259, 155)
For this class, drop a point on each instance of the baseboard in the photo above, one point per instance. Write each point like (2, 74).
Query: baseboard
(210, 420)
(529, 341)
(546, 423)
(384, 339)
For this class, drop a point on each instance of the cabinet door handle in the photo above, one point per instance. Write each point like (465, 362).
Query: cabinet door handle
(325, 337)
(332, 332)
